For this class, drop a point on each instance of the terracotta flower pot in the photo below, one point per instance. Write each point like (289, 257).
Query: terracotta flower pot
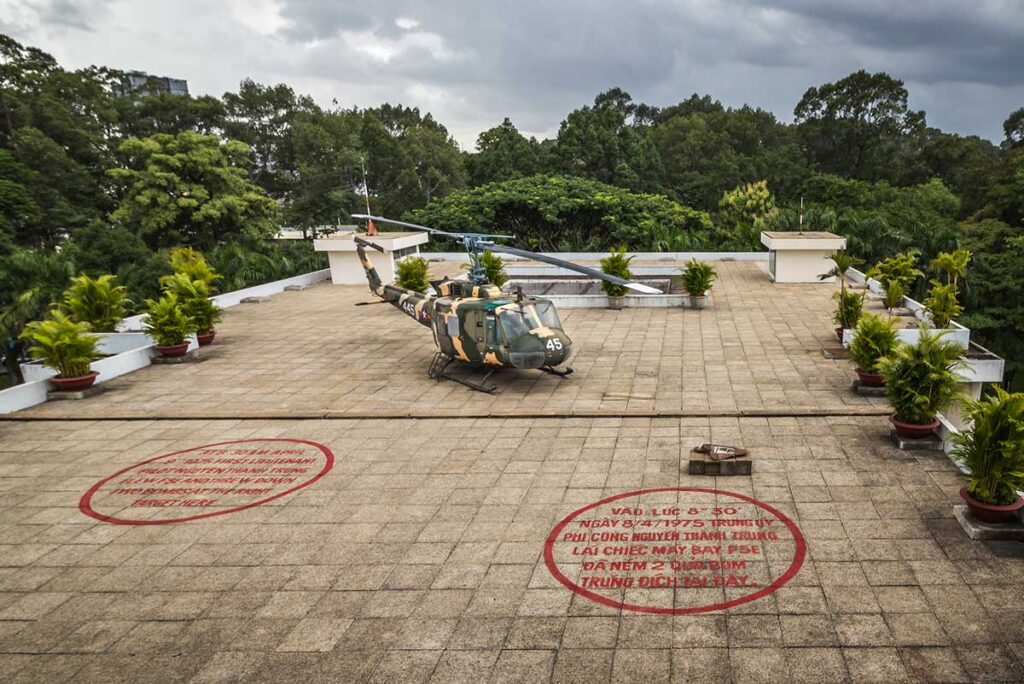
(870, 379)
(914, 430)
(839, 333)
(74, 384)
(206, 338)
(172, 350)
(990, 513)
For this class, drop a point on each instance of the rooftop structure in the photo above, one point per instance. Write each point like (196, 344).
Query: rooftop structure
(395, 528)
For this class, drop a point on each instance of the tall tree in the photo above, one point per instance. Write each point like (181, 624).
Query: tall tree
(601, 142)
(503, 153)
(190, 189)
(856, 126)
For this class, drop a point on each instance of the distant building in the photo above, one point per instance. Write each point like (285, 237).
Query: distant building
(141, 84)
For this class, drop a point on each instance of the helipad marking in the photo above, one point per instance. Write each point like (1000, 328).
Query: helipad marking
(675, 550)
(206, 481)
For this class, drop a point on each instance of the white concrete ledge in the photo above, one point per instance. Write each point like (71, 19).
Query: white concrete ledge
(682, 257)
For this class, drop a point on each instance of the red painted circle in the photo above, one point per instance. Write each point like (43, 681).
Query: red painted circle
(799, 554)
(219, 459)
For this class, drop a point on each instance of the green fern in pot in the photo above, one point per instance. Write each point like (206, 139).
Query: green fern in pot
(168, 324)
(66, 346)
(874, 339)
(921, 381)
(992, 452)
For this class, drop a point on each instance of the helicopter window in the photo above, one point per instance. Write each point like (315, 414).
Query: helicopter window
(547, 315)
(493, 332)
(514, 323)
(453, 325)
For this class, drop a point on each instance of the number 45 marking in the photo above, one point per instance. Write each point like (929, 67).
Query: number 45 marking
(554, 344)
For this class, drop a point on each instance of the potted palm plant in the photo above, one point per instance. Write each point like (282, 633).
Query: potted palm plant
(167, 322)
(100, 302)
(920, 381)
(850, 303)
(616, 264)
(65, 346)
(697, 280)
(941, 304)
(194, 296)
(992, 453)
(874, 340)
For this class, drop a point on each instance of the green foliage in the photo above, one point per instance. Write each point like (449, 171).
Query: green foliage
(193, 264)
(190, 188)
(494, 268)
(698, 277)
(901, 268)
(194, 299)
(875, 339)
(992, 450)
(411, 274)
(743, 213)
(849, 306)
(166, 321)
(100, 302)
(842, 262)
(616, 264)
(62, 344)
(244, 266)
(502, 153)
(894, 293)
(941, 304)
(953, 264)
(557, 213)
(921, 379)
(854, 127)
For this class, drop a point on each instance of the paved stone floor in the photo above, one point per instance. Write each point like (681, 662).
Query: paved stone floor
(758, 347)
(432, 549)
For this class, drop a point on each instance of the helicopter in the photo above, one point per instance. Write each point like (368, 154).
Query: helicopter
(473, 322)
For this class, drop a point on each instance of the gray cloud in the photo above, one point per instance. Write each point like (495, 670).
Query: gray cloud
(473, 63)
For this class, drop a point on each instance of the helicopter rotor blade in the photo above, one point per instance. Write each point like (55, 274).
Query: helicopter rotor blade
(593, 272)
(433, 231)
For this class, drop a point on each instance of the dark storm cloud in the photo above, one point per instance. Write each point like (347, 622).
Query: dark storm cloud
(472, 63)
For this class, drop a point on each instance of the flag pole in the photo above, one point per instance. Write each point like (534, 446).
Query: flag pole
(370, 228)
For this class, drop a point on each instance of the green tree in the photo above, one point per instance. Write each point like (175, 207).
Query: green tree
(503, 153)
(190, 189)
(601, 143)
(554, 213)
(743, 213)
(1013, 127)
(855, 127)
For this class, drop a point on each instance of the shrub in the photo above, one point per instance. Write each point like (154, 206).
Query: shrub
(848, 308)
(895, 291)
(616, 264)
(411, 274)
(166, 320)
(902, 267)
(62, 344)
(96, 301)
(953, 264)
(193, 264)
(942, 305)
(698, 277)
(494, 268)
(194, 297)
(992, 451)
(920, 379)
(875, 339)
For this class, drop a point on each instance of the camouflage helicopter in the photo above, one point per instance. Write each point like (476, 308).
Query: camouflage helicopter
(474, 322)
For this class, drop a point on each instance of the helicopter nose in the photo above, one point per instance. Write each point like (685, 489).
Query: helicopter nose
(534, 351)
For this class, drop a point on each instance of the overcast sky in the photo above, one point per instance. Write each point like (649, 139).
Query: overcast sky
(473, 62)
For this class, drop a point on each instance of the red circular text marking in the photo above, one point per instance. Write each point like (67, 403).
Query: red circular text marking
(206, 481)
(675, 550)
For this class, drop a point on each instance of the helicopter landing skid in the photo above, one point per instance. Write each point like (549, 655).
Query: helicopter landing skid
(439, 370)
(560, 373)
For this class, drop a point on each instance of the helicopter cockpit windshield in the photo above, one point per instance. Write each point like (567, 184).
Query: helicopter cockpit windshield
(520, 321)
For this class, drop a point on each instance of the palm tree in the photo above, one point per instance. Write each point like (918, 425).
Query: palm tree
(953, 264)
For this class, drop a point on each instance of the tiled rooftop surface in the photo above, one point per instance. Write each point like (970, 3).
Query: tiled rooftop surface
(420, 555)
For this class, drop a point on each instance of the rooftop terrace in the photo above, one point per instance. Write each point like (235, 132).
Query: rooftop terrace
(420, 555)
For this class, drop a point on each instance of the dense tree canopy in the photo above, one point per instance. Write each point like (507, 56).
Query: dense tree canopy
(113, 182)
